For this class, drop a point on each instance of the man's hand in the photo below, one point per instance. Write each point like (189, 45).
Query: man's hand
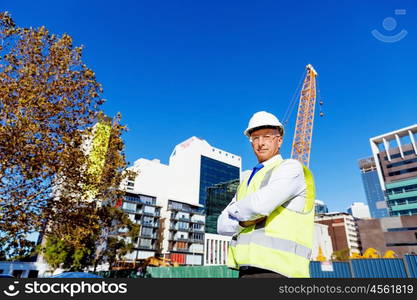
(252, 222)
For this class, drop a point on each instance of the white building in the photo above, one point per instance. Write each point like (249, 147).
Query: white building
(359, 210)
(179, 191)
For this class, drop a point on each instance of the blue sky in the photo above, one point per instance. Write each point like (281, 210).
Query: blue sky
(175, 69)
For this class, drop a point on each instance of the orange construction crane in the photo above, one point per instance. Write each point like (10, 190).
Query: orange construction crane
(301, 145)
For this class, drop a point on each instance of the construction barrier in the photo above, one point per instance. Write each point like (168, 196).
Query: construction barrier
(379, 268)
(191, 272)
(367, 268)
(411, 265)
(330, 269)
(356, 268)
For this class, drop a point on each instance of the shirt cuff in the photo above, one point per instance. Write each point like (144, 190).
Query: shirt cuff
(228, 225)
(242, 213)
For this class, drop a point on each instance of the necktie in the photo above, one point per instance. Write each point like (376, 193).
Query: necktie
(256, 169)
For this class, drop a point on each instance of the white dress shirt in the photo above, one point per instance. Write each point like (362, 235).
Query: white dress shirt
(286, 187)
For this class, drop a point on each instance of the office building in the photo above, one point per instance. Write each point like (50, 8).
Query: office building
(373, 191)
(395, 154)
(392, 233)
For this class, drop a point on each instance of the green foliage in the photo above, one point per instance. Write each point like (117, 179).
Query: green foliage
(77, 247)
(341, 255)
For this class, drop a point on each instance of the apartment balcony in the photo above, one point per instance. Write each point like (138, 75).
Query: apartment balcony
(146, 247)
(177, 249)
(197, 241)
(148, 236)
(179, 239)
(175, 218)
(188, 210)
(200, 230)
(146, 213)
(153, 225)
(127, 210)
(174, 228)
(198, 222)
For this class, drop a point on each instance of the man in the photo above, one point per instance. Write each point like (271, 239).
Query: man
(271, 218)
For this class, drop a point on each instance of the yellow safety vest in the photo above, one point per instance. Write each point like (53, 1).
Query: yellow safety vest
(283, 242)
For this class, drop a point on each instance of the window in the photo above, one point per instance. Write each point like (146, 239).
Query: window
(401, 244)
(182, 225)
(213, 172)
(147, 231)
(401, 163)
(401, 229)
(149, 209)
(145, 243)
(197, 236)
(147, 220)
(398, 155)
(147, 200)
(405, 171)
(129, 206)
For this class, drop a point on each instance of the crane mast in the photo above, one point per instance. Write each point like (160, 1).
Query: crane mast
(301, 146)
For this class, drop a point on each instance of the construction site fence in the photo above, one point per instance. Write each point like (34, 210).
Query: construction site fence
(356, 268)
(367, 268)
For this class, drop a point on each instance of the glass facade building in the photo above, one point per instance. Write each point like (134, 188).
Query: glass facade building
(213, 172)
(374, 194)
(373, 191)
(218, 197)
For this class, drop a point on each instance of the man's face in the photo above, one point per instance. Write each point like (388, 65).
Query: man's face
(266, 143)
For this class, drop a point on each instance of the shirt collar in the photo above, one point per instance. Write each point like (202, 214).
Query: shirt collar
(272, 159)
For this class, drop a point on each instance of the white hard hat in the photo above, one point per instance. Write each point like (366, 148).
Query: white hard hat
(261, 119)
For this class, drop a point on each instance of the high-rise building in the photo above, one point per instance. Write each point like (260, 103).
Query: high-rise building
(395, 154)
(374, 193)
(359, 210)
(180, 190)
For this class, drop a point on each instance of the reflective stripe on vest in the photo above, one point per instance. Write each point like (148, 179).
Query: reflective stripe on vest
(258, 237)
(283, 241)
